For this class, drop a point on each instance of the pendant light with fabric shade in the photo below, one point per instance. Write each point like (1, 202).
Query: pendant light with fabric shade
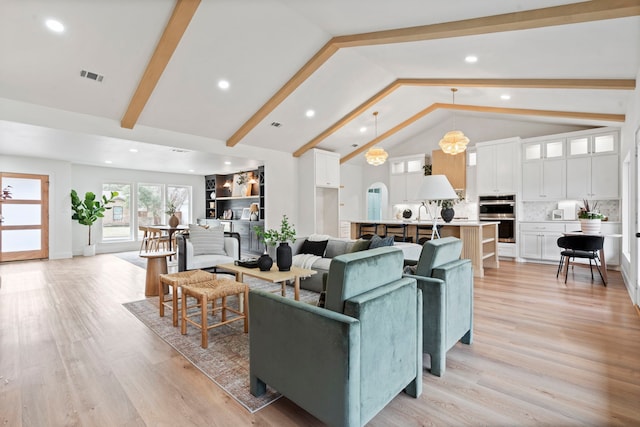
(376, 156)
(454, 142)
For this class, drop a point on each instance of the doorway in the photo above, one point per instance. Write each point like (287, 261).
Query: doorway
(24, 219)
(377, 200)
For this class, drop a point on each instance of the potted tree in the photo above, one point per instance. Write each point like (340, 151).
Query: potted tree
(87, 211)
(286, 234)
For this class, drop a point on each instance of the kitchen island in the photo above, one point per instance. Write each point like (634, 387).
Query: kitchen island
(479, 239)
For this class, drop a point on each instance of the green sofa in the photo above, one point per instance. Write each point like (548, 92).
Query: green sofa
(446, 282)
(345, 362)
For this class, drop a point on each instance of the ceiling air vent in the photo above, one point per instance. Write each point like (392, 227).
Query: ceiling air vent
(179, 150)
(276, 124)
(93, 76)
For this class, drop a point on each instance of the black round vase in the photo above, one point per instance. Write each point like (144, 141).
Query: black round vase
(284, 257)
(447, 214)
(265, 262)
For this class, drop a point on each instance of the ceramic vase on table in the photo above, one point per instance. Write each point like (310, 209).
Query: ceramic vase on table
(284, 257)
(174, 220)
(447, 214)
(590, 226)
(265, 262)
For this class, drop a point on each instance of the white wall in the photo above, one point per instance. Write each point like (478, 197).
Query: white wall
(628, 137)
(59, 201)
(352, 195)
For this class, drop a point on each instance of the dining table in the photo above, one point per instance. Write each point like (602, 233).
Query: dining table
(170, 231)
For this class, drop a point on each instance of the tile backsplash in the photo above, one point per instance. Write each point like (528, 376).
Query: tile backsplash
(541, 211)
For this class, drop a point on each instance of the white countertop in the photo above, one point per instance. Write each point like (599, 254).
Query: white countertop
(454, 223)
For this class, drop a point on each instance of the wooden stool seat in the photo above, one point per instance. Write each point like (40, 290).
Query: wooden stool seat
(175, 281)
(210, 291)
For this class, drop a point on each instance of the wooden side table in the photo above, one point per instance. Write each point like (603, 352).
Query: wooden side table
(156, 265)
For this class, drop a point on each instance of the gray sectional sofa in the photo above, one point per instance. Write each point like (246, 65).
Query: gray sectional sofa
(338, 246)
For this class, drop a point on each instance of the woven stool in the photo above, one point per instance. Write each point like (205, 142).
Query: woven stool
(206, 292)
(175, 281)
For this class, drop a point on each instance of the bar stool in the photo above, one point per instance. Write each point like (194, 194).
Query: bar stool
(423, 232)
(366, 231)
(398, 231)
(209, 292)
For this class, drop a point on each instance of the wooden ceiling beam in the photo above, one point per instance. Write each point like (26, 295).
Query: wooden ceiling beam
(574, 13)
(594, 10)
(183, 12)
(611, 84)
(483, 109)
(300, 77)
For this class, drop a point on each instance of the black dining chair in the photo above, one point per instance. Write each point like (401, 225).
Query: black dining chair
(585, 247)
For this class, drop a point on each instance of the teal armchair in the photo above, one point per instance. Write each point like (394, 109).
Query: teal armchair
(446, 282)
(345, 362)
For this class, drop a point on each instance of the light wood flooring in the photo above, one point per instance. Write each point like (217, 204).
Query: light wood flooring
(544, 353)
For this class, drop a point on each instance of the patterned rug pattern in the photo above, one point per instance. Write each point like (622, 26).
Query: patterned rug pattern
(226, 361)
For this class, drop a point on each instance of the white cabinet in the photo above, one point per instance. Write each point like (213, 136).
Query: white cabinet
(497, 166)
(593, 166)
(538, 240)
(593, 177)
(318, 193)
(544, 171)
(327, 169)
(405, 177)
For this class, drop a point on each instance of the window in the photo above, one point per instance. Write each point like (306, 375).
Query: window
(116, 224)
(150, 205)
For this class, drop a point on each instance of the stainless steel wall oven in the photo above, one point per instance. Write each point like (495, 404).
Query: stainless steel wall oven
(500, 208)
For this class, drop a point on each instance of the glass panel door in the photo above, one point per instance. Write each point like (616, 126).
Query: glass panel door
(24, 226)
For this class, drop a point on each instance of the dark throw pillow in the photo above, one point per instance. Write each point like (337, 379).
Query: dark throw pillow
(316, 248)
(360, 245)
(378, 242)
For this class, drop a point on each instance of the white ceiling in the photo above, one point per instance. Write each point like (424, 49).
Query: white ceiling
(258, 45)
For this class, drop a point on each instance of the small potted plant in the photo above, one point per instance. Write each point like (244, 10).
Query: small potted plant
(286, 234)
(171, 211)
(590, 218)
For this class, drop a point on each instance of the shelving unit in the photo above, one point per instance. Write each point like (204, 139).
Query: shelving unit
(219, 199)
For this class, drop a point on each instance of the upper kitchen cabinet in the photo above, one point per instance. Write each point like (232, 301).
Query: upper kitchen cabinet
(406, 174)
(327, 169)
(454, 167)
(593, 166)
(544, 170)
(498, 166)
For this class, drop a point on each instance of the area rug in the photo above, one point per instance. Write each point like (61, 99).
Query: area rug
(226, 361)
(133, 257)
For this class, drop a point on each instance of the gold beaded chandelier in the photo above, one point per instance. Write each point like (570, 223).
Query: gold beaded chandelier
(375, 155)
(454, 142)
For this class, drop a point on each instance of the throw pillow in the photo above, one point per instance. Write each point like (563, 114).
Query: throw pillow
(360, 245)
(207, 241)
(378, 242)
(316, 248)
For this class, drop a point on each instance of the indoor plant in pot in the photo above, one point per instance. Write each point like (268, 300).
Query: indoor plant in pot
(286, 234)
(171, 211)
(87, 211)
(590, 218)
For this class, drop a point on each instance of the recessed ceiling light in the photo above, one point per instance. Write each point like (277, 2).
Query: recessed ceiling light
(191, 170)
(223, 84)
(108, 162)
(471, 59)
(227, 162)
(310, 113)
(133, 150)
(363, 129)
(505, 96)
(55, 26)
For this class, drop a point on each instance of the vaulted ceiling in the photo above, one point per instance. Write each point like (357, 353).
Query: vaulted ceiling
(161, 61)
